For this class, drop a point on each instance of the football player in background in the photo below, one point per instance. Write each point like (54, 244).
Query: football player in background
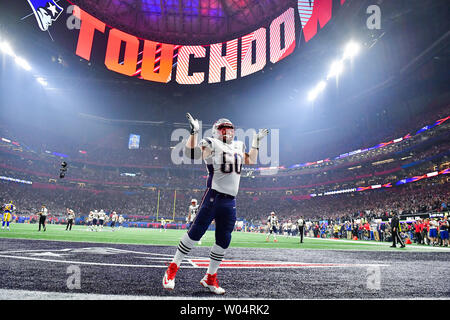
(89, 220)
(114, 219)
(193, 210)
(101, 219)
(272, 223)
(106, 219)
(120, 221)
(163, 225)
(224, 158)
(8, 209)
(94, 220)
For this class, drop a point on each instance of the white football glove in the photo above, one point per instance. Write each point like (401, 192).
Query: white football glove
(193, 123)
(258, 137)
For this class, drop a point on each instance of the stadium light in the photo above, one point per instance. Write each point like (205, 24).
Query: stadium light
(23, 63)
(42, 81)
(336, 69)
(6, 48)
(351, 50)
(318, 89)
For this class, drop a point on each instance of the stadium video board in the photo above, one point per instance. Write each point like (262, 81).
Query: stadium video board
(133, 141)
(226, 61)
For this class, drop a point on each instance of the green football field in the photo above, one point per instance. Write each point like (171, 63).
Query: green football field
(143, 236)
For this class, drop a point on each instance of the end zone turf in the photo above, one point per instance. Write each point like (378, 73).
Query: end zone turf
(172, 237)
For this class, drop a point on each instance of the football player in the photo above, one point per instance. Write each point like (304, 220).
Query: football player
(94, 220)
(89, 220)
(114, 218)
(272, 222)
(120, 221)
(163, 225)
(193, 210)
(8, 209)
(224, 158)
(101, 219)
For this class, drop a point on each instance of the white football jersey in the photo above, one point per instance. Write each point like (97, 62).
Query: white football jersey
(71, 214)
(193, 210)
(95, 215)
(272, 220)
(101, 215)
(224, 165)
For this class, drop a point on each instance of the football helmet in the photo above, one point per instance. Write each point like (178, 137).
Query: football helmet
(194, 201)
(223, 130)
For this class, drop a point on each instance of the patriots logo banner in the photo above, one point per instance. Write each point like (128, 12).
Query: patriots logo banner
(46, 12)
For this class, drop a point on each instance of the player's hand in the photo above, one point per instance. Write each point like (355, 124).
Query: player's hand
(262, 133)
(195, 127)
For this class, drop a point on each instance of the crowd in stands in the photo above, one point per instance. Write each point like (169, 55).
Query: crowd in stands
(41, 168)
(415, 231)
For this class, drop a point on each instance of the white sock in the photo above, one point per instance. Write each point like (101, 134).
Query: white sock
(215, 258)
(184, 247)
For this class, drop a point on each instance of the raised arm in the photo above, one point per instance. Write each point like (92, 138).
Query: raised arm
(192, 149)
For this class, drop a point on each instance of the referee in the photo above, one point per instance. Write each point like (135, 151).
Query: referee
(395, 226)
(42, 217)
(301, 226)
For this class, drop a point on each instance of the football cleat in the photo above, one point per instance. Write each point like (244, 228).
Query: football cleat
(275, 240)
(210, 282)
(169, 277)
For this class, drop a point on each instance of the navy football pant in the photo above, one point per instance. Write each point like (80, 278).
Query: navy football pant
(219, 207)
